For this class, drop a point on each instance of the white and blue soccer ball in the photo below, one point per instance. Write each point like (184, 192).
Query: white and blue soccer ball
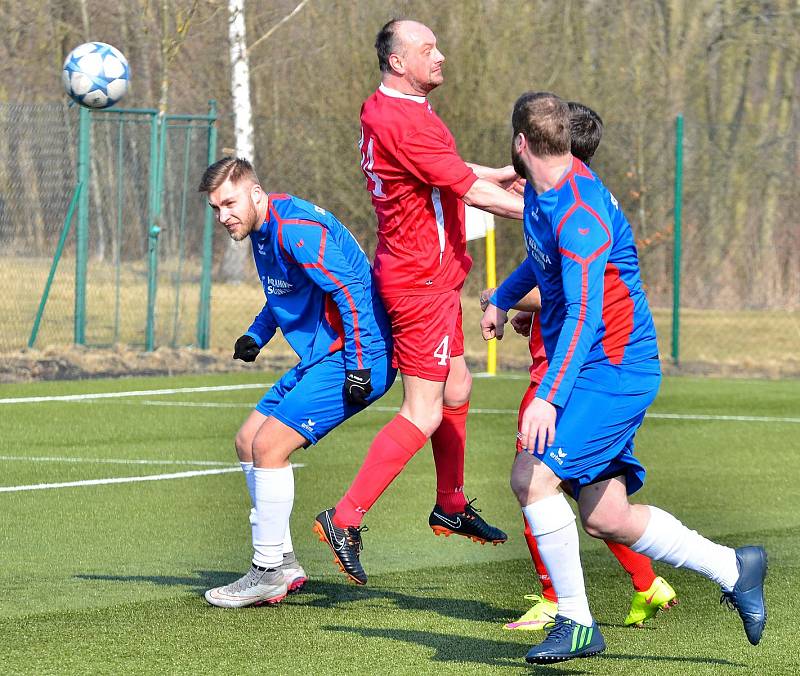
(96, 75)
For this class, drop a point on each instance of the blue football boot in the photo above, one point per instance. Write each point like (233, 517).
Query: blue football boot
(747, 595)
(566, 640)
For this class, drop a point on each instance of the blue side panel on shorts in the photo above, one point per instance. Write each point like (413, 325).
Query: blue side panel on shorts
(311, 400)
(596, 428)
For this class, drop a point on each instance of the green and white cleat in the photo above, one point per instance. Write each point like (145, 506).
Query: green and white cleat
(256, 588)
(645, 604)
(541, 616)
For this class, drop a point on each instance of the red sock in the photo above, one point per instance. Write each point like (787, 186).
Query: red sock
(448, 442)
(389, 452)
(638, 566)
(541, 570)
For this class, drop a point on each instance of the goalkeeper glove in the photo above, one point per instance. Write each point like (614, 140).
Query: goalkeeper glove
(358, 386)
(246, 348)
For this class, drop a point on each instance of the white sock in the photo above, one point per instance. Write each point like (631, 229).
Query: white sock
(667, 539)
(274, 497)
(287, 540)
(247, 468)
(553, 524)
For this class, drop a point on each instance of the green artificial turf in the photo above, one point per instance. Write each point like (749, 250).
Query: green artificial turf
(109, 578)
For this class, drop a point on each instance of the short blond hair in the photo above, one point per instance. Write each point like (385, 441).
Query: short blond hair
(235, 169)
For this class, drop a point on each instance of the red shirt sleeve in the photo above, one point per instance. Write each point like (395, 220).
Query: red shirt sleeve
(431, 156)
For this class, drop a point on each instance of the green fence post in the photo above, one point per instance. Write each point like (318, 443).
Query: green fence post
(118, 238)
(82, 231)
(676, 249)
(187, 147)
(153, 232)
(204, 312)
(56, 258)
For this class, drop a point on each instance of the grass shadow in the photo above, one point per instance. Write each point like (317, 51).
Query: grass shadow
(321, 594)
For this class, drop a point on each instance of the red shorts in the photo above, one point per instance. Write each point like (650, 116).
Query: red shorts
(426, 331)
(529, 396)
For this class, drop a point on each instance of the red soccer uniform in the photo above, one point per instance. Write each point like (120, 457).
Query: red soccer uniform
(539, 363)
(417, 180)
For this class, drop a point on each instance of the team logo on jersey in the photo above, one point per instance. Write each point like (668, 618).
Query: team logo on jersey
(308, 426)
(535, 252)
(558, 456)
(261, 248)
(276, 287)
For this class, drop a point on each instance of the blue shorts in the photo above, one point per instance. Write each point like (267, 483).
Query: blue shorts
(310, 399)
(595, 429)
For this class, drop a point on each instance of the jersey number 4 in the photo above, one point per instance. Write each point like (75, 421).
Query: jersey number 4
(442, 351)
(367, 162)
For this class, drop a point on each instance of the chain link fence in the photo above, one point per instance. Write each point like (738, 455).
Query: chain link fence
(151, 243)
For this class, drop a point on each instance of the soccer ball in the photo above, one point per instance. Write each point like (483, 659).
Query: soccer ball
(96, 75)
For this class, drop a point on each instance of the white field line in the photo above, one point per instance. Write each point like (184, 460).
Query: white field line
(133, 393)
(221, 388)
(118, 480)
(227, 468)
(116, 461)
(663, 416)
(489, 411)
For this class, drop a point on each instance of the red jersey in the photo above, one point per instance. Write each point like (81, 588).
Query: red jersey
(538, 357)
(417, 180)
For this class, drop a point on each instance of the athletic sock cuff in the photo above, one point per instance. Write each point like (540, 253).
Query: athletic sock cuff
(456, 411)
(549, 515)
(405, 433)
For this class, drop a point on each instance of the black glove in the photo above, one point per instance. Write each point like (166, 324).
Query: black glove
(358, 386)
(246, 348)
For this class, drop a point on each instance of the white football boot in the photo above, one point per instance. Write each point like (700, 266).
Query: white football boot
(255, 588)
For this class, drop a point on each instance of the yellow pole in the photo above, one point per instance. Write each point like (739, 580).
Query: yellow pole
(491, 282)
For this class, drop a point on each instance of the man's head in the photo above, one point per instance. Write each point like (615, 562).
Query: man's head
(586, 130)
(408, 57)
(235, 195)
(541, 124)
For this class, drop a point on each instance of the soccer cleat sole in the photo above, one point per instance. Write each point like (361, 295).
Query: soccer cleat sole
(258, 603)
(552, 659)
(322, 538)
(441, 530)
(296, 585)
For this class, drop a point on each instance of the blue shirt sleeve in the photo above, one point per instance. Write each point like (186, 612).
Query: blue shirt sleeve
(584, 242)
(263, 327)
(515, 287)
(316, 251)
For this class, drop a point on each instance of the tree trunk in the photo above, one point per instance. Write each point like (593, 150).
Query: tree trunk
(236, 253)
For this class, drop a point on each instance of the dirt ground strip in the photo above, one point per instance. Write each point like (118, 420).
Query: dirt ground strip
(76, 363)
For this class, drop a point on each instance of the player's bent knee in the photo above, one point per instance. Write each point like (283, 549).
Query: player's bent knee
(520, 486)
(268, 456)
(426, 421)
(604, 524)
(244, 447)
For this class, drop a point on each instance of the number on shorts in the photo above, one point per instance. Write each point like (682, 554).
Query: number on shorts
(442, 351)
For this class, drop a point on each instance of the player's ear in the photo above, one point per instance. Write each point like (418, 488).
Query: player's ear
(520, 142)
(256, 193)
(396, 63)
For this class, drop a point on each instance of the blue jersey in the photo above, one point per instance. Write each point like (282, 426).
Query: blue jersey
(582, 256)
(319, 286)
